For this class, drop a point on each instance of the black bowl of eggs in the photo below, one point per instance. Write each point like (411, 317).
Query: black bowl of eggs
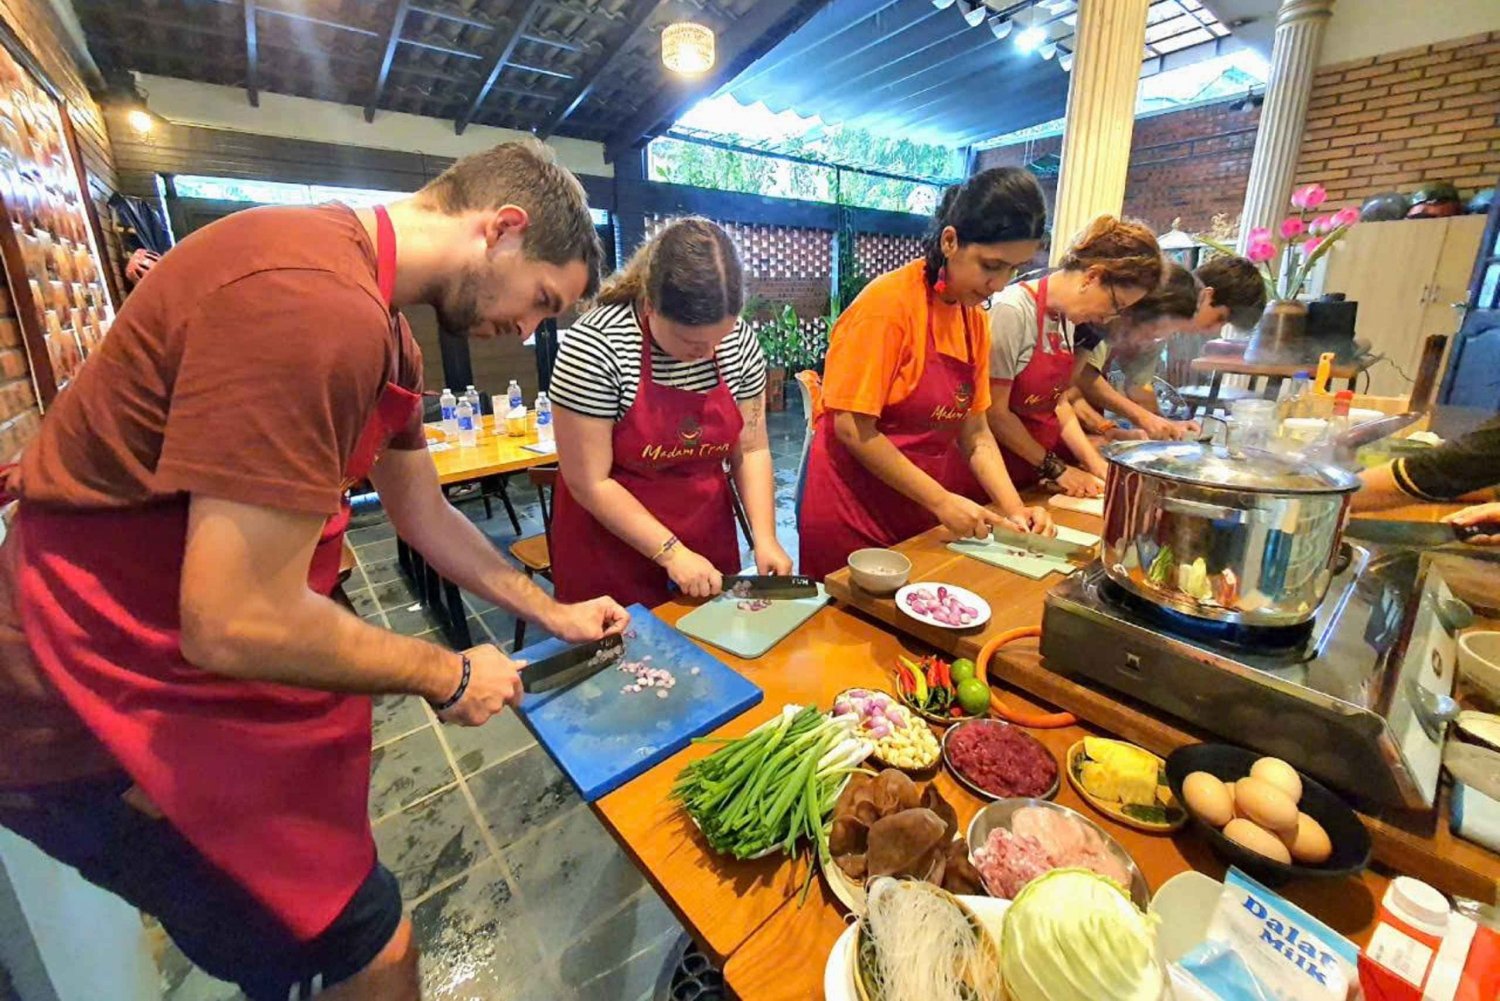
(1264, 816)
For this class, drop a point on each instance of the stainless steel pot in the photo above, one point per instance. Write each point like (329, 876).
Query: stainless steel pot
(1231, 535)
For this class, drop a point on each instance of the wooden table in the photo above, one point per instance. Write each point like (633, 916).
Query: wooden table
(1419, 844)
(494, 456)
(1218, 366)
(745, 915)
(495, 453)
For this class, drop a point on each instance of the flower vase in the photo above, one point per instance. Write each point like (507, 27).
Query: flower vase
(1281, 335)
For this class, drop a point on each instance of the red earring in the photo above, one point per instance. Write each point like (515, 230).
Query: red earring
(941, 285)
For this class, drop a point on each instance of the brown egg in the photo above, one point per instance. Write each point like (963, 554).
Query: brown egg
(1208, 798)
(1257, 839)
(1281, 775)
(1260, 801)
(1309, 843)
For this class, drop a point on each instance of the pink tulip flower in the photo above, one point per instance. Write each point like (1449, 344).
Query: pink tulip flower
(1260, 234)
(1292, 226)
(1309, 196)
(1321, 226)
(1261, 251)
(1309, 246)
(1346, 216)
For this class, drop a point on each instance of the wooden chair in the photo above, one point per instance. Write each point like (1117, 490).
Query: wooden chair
(534, 552)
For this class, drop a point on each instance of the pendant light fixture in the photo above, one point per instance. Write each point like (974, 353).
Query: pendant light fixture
(975, 14)
(1000, 27)
(687, 48)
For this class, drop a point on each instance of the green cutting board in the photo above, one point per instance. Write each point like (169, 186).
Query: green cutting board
(1019, 560)
(722, 623)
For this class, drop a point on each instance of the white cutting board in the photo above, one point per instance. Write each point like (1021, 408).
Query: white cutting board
(1020, 561)
(722, 623)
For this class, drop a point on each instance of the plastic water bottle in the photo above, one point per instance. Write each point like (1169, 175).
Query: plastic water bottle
(465, 420)
(448, 402)
(472, 395)
(513, 394)
(544, 429)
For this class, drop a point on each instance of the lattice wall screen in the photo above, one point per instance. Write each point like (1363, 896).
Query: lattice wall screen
(877, 253)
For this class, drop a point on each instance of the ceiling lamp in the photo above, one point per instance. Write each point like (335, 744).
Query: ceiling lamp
(942, 4)
(687, 48)
(1030, 39)
(976, 13)
(1001, 27)
(1066, 62)
(1047, 50)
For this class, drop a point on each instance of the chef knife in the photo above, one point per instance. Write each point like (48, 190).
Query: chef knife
(573, 665)
(770, 587)
(1042, 545)
(1417, 533)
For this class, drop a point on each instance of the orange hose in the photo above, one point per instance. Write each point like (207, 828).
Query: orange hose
(1041, 721)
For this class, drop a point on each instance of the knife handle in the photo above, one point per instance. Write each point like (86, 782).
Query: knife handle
(1466, 532)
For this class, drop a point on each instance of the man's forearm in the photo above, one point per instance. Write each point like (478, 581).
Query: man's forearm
(461, 553)
(1097, 390)
(1078, 443)
(312, 642)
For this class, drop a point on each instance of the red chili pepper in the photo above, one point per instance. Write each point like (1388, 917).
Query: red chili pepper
(945, 676)
(905, 680)
(956, 711)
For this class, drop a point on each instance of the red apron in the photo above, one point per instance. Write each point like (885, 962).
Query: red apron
(845, 506)
(1035, 391)
(270, 782)
(669, 452)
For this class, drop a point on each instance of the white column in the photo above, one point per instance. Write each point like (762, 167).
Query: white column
(1283, 116)
(1110, 41)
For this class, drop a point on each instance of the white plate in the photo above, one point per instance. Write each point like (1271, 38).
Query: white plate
(838, 974)
(961, 593)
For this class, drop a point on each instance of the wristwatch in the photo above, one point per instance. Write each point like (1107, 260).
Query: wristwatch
(1051, 467)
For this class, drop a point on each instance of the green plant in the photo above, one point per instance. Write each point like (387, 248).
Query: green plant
(780, 337)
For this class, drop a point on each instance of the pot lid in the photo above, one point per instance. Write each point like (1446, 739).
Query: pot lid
(1242, 469)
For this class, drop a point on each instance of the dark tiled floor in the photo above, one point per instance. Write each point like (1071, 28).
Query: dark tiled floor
(516, 891)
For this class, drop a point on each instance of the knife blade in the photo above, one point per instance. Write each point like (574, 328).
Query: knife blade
(771, 587)
(1042, 545)
(572, 665)
(1417, 533)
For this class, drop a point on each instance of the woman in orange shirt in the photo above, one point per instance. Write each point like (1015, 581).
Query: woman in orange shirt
(906, 386)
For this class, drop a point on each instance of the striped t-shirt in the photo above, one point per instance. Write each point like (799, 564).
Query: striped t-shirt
(599, 365)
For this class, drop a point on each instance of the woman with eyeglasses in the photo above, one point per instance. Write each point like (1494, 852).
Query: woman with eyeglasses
(906, 387)
(1108, 268)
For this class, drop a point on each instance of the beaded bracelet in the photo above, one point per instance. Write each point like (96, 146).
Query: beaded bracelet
(458, 693)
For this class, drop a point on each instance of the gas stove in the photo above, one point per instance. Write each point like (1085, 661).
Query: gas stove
(1359, 697)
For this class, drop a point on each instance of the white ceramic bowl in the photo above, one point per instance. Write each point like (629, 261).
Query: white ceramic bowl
(1479, 661)
(879, 571)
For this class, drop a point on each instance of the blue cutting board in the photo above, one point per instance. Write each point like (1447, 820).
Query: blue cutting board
(603, 737)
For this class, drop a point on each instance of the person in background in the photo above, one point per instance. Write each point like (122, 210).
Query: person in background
(184, 711)
(1460, 469)
(902, 436)
(1223, 290)
(656, 388)
(1108, 268)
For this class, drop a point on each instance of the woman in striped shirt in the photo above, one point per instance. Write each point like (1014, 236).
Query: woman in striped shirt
(657, 388)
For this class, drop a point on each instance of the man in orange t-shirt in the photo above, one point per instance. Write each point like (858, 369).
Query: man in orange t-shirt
(902, 443)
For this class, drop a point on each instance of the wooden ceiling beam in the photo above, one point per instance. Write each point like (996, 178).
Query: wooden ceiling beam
(640, 13)
(383, 73)
(502, 53)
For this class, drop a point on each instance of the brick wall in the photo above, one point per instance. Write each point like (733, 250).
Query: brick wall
(1190, 165)
(1393, 121)
(877, 253)
(38, 29)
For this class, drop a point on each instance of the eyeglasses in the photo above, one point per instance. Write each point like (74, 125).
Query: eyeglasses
(1114, 305)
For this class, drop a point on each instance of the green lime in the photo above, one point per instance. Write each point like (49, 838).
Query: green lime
(962, 670)
(974, 696)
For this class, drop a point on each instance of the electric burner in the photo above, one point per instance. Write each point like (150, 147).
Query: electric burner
(1357, 697)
